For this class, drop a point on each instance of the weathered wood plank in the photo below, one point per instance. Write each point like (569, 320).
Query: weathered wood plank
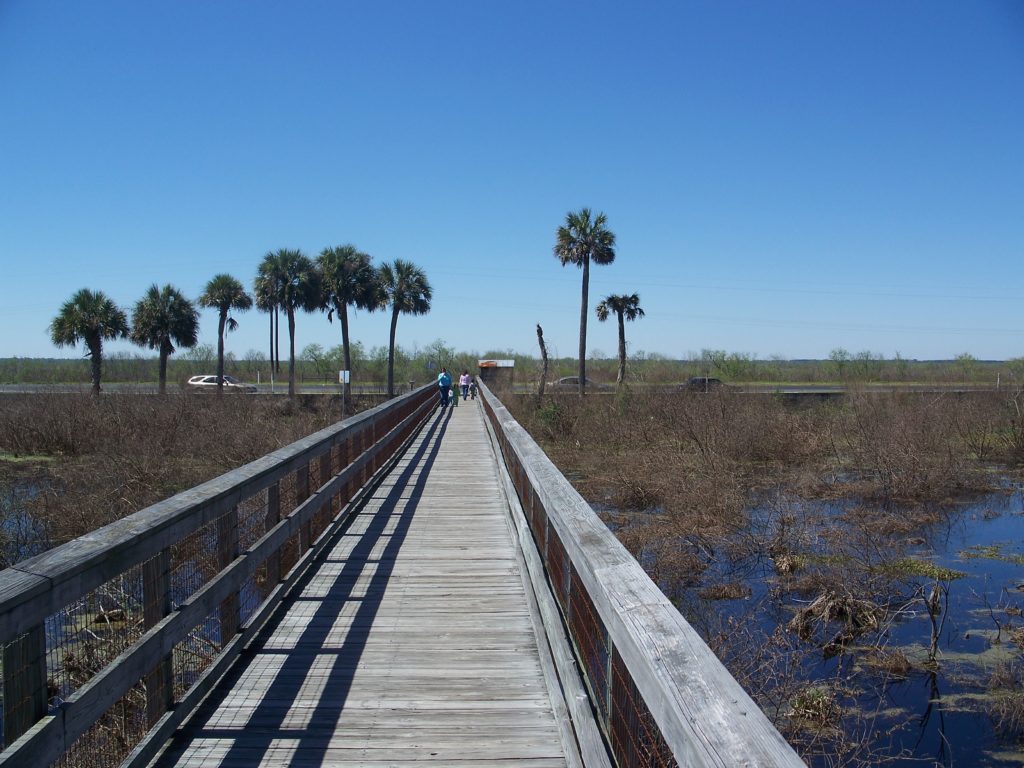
(412, 641)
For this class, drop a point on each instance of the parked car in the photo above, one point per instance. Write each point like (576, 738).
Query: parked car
(572, 384)
(208, 383)
(701, 384)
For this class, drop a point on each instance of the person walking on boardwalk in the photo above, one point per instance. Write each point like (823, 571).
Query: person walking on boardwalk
(464, 384)
(444, 383)
(455, 396)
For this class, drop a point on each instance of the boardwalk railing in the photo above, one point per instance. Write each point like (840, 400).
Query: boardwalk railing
(660, 694)
(110, 640)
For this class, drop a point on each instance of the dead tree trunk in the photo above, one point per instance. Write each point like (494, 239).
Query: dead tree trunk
(544, 361)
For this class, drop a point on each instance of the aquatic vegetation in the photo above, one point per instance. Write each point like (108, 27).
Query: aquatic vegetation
(815, 704)
(912, 566)
(991, 552)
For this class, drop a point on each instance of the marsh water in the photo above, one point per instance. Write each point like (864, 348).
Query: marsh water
(20, 535)
(892, 698)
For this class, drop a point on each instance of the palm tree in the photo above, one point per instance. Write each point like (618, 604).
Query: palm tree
(625, 308)
(348, 280)
(269, 278)
(290, 282)
(579, 241)
(407, 290)
(161, 319)
(89, 316)
(224, 293)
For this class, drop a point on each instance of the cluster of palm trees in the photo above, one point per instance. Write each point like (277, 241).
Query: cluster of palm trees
(287, 281)
(340, 277)
(581, 240)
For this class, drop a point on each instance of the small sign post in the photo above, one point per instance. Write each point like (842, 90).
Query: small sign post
(343, 379)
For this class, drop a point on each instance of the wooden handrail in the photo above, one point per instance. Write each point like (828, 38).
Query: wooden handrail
(661, 695)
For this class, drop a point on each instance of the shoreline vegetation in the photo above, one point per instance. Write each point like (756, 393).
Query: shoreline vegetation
(369, 366)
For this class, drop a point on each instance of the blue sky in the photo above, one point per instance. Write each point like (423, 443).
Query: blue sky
(783, 178)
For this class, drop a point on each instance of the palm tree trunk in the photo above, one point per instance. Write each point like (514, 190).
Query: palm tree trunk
(277, 342)
(291, 352)
(583, 324)
(391, 353)
(96, 363)
(271, 313)
(346, 393)
(220, 351)
(163, 369)
(622, 350)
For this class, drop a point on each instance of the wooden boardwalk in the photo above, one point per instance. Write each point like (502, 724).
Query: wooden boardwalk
(414, 643)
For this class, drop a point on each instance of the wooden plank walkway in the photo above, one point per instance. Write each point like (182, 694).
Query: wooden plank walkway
(413, 644)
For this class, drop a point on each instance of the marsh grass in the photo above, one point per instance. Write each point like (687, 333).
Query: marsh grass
(833, 502)
(106, 457)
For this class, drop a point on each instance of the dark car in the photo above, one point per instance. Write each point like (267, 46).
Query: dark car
(701, 384)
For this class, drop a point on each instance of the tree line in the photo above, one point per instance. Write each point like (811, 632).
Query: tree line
(287, 281)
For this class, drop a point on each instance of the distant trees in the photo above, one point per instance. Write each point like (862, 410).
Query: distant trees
(624, 308)
(347, 280)
(407, 291)
(581, 240)
(89, 317)
(225, 294)
(286, 281)
(162, 318)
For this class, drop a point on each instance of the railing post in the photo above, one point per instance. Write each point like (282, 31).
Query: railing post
(325, 474)
(374, 466)
(156, 604)
(227, 551)
(24, 682)
(344, 458)
(301, 494)
(273, 518)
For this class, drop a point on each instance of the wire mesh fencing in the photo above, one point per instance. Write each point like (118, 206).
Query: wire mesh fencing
(200, 569)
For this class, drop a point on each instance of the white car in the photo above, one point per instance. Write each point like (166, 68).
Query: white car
(572, 384)
(207, 382)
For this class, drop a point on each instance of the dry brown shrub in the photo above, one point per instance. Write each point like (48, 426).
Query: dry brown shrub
(908, 444)
(121, 452)
(728, 591)
(894, 663)
(853, 616)
(1006, 705)
(1017, 637)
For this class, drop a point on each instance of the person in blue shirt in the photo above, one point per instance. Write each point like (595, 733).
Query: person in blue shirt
(444, 383)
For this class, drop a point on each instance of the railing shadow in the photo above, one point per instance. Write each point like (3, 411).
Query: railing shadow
(265, 731)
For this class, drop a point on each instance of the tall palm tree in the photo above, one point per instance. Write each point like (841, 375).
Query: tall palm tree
(407, 291)
(625, 308)
(90, 317)
(348, 279)
(269, 278)
(224, 293)
(579, 241)
(161, 319)
(292, 283)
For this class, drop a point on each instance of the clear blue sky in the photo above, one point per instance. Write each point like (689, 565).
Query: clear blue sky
(783, 177)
